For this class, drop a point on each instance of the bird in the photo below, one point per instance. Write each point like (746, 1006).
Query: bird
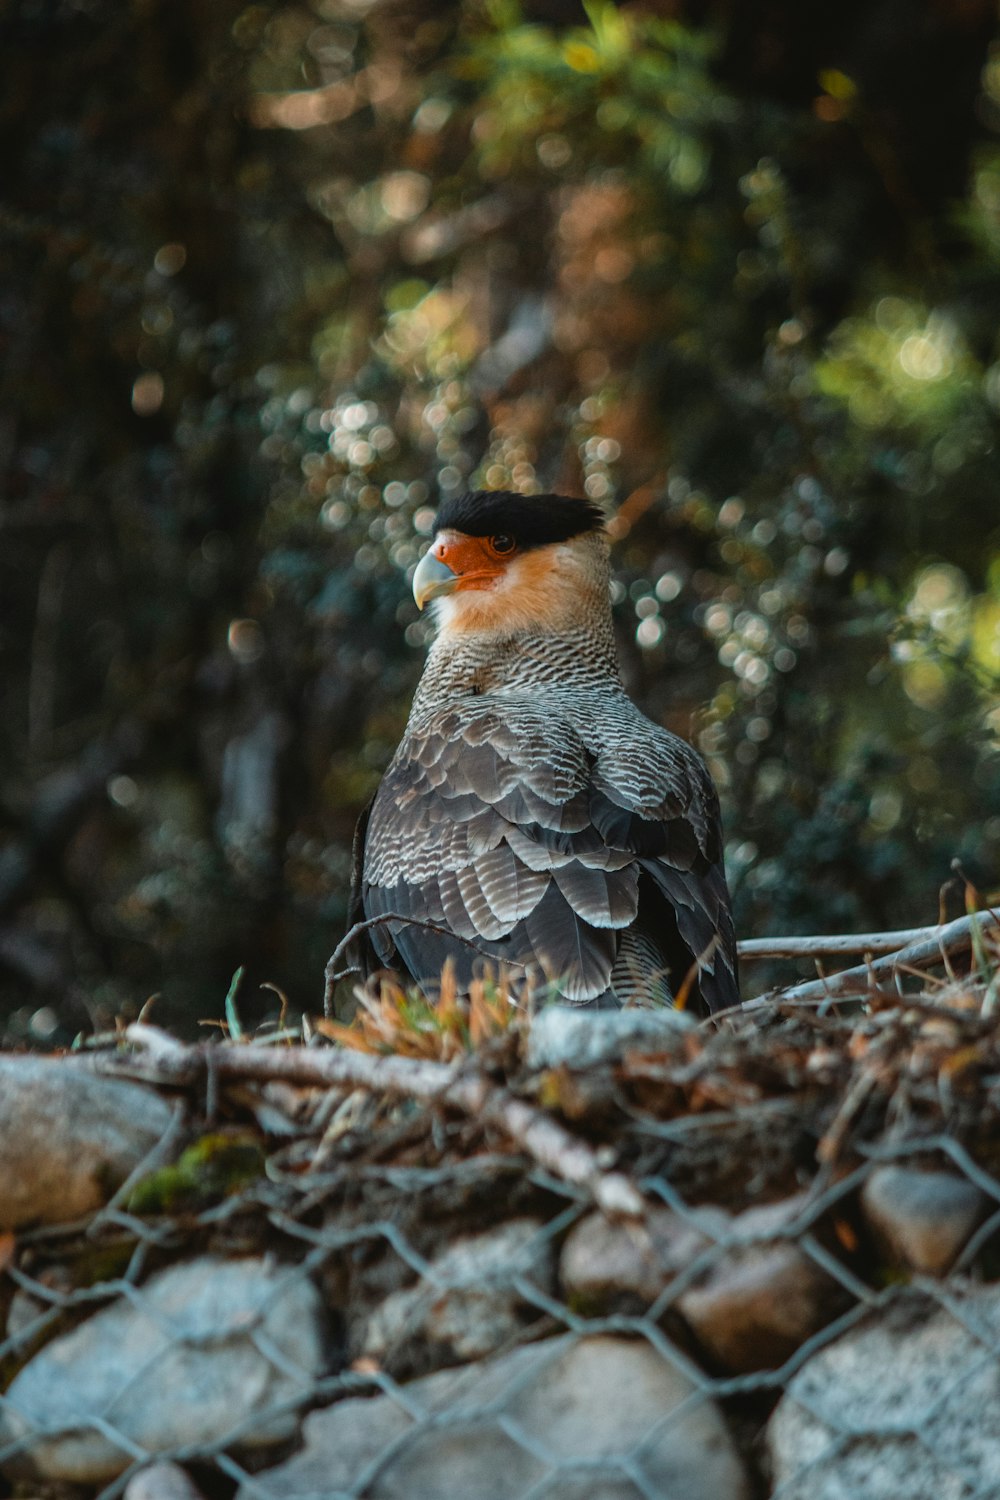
(532, 817)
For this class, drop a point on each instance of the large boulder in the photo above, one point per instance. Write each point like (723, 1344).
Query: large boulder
(747, 1291)
(184, 1360)
(69, 1138)
(570, 1418)
(762, 1294)
(922, 1220)
(907, 1404)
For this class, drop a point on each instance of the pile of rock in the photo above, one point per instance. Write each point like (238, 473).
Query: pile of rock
(842, 1340)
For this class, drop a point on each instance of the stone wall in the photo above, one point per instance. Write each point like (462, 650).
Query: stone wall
(231, 1277)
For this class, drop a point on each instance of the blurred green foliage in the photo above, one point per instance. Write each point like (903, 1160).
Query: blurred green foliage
(277, 277)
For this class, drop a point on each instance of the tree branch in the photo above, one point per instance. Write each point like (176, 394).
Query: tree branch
(461, 1086)
(332, 973)
(832, 944)
(954, 937)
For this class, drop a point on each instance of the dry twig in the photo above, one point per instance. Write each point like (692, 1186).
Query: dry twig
(333, 974)
(932, 947)
(832, 944)
(458, 1087)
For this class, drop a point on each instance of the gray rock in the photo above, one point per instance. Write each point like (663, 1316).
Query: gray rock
(162, 1481)
(922, 1219)
(756, 1298)
(69, 1138)
(183, 1360)
(582, 1419)
(906, 1404)
(571, 1038)
(602, 1261)
(469, 1305)
(761, 1297)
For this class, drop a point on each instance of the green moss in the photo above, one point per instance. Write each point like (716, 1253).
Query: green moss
(215, 1167)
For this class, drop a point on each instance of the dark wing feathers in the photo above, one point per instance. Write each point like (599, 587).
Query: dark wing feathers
(542, 843)
(511, 888)
(576, 957)
(674, 837)
(599, 897)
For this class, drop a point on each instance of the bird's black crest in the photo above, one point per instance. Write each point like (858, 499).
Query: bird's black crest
(532, 520)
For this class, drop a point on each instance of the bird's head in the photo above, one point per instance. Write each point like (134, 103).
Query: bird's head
(507, 562)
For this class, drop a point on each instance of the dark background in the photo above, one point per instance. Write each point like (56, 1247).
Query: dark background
(273, 278)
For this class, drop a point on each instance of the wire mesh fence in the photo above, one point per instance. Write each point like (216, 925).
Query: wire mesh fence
(399, 1300)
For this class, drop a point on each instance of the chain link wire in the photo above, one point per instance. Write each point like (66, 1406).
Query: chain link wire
(365, 1229)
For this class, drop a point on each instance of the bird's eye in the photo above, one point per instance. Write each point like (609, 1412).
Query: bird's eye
(502, 543)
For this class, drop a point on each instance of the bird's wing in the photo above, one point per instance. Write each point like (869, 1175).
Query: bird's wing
(531, 838)
(654, 797)
(482, 828)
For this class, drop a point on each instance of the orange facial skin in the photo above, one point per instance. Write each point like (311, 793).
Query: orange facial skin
(482, 586)
(474, 559)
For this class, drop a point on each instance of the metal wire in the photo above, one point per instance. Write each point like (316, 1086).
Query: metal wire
(377, 1229)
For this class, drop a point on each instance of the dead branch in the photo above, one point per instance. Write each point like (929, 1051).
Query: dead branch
(931, 948)
(818, 945)
(459, 1086)
(821, 946)
(333, 974)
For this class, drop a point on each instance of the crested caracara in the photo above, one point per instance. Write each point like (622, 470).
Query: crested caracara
(531, 814)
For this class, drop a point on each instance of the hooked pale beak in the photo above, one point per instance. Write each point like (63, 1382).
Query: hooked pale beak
(432, 579)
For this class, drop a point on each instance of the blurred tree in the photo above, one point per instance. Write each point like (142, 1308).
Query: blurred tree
(277, 276)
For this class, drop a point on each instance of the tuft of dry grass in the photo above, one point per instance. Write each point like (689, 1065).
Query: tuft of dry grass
(406, 1023)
